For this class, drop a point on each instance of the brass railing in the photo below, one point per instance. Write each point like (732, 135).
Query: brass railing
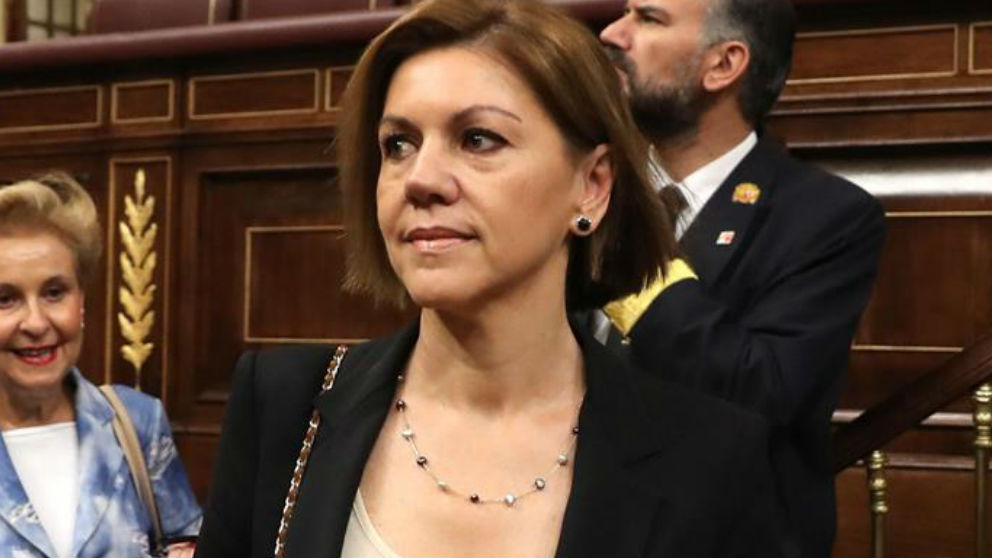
(965, 373)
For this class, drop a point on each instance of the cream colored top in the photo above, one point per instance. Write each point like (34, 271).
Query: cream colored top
(361, 540)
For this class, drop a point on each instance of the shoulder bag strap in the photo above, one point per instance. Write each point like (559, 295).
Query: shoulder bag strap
(301, 461)
(128, 439)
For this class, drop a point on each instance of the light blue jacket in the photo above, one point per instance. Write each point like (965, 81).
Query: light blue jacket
(111, 519)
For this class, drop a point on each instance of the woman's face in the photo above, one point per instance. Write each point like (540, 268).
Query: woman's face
(477, 188)
(41, 311)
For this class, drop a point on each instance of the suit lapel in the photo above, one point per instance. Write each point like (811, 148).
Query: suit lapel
(614, 498)
(16, 510)
(723, 216)
(352, 414)
(101, 462)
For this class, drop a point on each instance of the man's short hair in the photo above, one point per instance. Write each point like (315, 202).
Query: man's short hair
(768, 27)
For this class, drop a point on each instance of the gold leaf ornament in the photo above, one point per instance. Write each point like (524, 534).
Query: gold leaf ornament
(138, 261)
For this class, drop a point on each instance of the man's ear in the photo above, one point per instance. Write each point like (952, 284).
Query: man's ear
(724, 64)
(596, 184)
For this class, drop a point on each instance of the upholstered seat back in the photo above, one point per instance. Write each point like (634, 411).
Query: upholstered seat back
(260, 9)
(111, 16)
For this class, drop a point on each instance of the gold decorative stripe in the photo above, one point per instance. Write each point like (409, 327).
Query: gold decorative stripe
(875, 31)
(138, 260)
(114, 101)
(905, 349)
(211, 12)
(56, 127)
(246, 335)
(972, 70)
(193, 82)
(881, 77)
(936, 214)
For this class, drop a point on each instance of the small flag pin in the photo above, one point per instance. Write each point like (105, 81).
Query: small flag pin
(725, 238)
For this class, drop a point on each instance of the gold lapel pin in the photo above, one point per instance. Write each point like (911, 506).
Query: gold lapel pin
(746, 193)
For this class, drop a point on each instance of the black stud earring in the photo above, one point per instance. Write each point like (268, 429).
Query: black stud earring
(583, 223)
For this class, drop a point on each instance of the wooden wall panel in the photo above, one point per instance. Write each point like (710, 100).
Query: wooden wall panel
(230, 202)
(294, 295)
(141, 102)
(293, 266)
(931, 509)
(980, 48)
(873, 54)
(336, 82)
(254, 95)
(51, 109)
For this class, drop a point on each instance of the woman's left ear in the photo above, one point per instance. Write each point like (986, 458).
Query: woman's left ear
(596, 186)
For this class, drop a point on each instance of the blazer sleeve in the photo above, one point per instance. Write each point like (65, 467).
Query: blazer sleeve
(227, 519)
(792, 338)
(177, 507)
(757, 522)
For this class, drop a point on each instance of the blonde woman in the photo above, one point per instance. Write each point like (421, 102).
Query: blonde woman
(65, 487)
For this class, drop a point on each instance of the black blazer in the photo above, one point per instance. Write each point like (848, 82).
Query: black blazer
(659, 470)
(770, 322)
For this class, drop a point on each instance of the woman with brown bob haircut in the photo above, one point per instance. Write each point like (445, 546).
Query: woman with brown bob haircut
(494, 179)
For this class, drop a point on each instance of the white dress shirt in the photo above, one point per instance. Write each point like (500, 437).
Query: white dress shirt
(698, 187)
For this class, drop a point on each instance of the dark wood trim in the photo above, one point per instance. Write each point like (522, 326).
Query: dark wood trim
(907, 407)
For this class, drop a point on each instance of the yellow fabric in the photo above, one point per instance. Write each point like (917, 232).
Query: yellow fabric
(625, 312)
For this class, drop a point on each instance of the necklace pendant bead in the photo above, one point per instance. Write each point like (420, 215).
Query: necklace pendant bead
(406, 433)
(509, 499)
(442, 485)
(474, 498)
(563, 459)
(540, 483)
(422, 461)
(400, 405)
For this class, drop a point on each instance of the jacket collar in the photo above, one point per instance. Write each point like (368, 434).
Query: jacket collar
(722, 214)
(102, 468)
(612, 498)
(99, 459)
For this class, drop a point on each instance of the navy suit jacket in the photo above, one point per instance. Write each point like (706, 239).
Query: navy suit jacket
(769, 323)
(659, 470)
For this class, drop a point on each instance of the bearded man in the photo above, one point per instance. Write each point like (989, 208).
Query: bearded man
(780, 256)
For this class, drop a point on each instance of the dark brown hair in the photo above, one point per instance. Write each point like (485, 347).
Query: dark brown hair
(55, 202)
(566, 68)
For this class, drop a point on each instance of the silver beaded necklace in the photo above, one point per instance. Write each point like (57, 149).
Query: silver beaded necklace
(508, 499)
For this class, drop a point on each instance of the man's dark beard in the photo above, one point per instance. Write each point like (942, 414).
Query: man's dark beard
(664, 113)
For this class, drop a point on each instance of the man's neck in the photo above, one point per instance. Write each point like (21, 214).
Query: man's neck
(718, 132)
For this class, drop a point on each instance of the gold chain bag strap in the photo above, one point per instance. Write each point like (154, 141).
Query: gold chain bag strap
(301, 461)
(127, 437)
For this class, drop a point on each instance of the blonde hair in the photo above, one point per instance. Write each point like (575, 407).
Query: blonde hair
(57, 203)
